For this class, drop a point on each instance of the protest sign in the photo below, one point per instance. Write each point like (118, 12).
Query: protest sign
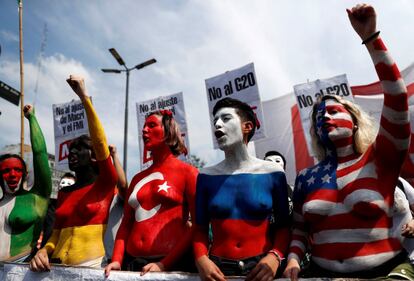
(70, 122)
(175, 103)
(239, 84)
(308, 93)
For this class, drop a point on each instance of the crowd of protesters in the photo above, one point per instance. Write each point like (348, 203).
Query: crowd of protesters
(351, 214)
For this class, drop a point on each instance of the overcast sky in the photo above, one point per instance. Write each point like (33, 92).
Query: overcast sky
(288, 41)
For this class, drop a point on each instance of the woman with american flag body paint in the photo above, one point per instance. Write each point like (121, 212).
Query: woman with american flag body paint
(240, 197)
(343, 205)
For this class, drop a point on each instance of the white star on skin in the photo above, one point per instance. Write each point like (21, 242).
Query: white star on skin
(328, 152)
(311, 180)
(327, 167)
(326, 178)
(303, 172)
(164, 187)
(315, 170)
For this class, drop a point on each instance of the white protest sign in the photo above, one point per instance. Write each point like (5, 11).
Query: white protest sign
(239, 84)
(70, 122)
(308, 93)
(175, 103)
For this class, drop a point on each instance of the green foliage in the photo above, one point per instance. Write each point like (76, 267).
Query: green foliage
(196, 161)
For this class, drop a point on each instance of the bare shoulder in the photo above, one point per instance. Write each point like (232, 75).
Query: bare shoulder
(213, 170)
(262, 166)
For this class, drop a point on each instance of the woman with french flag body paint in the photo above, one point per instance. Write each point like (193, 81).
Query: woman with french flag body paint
(82, 208)
(245, 201)
(343, 206)
(21, 210)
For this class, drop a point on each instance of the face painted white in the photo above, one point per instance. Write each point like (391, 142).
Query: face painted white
(66, 182)
(228, 129)
(338, 121)
(277, 159)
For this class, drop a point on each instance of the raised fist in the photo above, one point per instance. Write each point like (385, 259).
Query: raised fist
(363, 19)
(77, 84)
(28, 110)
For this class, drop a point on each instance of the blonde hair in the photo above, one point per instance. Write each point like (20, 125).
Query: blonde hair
(364, 133)
(172, 132)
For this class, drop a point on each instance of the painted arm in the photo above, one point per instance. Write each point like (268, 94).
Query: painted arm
(201, 220)
(393, 138)
(299, 239)
(107, 176)
(122, 235)
(394, 124)
(52, 242)
(207, 269)
(95, 127)
(40, 262)
(283, 219)
(42, 174)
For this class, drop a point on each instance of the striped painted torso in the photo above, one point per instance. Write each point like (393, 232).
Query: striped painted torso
(343, 205)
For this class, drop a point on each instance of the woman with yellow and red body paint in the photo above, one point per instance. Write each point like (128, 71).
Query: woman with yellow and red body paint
(155, 234)
(82, 209)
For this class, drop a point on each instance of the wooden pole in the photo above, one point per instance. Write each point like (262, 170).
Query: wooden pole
(21, 79)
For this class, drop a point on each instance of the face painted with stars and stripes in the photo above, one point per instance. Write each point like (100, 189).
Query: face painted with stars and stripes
(333, 121)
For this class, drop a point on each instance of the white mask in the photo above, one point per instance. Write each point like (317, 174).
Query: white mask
(277, 159)
(66, 182)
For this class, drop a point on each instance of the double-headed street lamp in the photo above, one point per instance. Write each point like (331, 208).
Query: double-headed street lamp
(126, 70)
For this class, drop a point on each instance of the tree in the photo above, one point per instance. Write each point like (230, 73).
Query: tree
(196, 161)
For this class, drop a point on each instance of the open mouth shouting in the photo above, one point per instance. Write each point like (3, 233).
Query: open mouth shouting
(219, 134)
(13, 183)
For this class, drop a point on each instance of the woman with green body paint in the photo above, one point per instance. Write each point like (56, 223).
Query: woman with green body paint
(21, 210)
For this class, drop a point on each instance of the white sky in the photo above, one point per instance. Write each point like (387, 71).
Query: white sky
(288, 41)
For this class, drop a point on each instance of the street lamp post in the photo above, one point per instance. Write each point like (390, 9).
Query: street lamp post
(126, 70)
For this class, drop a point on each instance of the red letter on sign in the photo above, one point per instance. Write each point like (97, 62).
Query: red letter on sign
(64, 150)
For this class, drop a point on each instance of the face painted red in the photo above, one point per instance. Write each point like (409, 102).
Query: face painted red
(12, 171)
(153, 132)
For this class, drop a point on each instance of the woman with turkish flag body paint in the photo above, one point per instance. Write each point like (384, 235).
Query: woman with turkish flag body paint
(155, 234)
(22, 211)
(343, 206)
(82, 208)
(244, 199)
